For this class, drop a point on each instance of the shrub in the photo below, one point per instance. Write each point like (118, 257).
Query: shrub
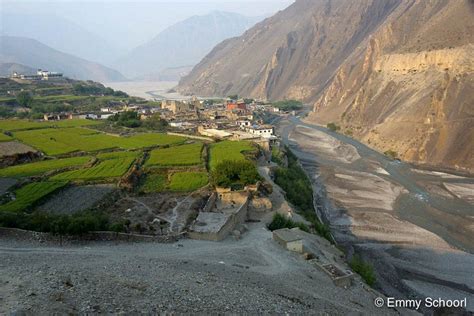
(279, 221)
(364, 269)
(333, 127)
(392, 154)
(231, 172)
(288, 105)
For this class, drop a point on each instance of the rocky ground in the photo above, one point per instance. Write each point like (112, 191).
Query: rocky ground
(251, 276)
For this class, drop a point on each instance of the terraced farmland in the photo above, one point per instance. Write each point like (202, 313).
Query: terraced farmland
(185, 155)
(30, 194)
(4, 138)
(228, 150)
(16, 125)
(55, 141)
(36, 168)
(154, 183)
(111, 168)
(119, 154)
(188, 181)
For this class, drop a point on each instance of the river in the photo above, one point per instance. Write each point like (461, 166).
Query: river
(415, 225)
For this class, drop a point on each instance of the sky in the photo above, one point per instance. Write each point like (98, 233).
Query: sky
(131, 23)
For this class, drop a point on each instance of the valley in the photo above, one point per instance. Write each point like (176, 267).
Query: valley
(413, 224)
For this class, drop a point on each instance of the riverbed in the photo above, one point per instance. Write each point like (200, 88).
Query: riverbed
(415, 225)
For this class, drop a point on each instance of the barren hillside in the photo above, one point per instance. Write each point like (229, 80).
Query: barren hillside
(396, 74)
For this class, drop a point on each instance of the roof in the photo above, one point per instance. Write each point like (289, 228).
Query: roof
(208, 222)
(286, 234)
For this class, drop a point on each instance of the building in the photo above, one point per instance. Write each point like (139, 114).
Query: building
(57, 117)
(265, 131)
(231, 106)
(289, 239)
(177, 106)
(40, 75)
(244, 124)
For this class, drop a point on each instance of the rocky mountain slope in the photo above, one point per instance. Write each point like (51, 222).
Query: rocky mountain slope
(396, 74)
(31, 53)
(183, 44)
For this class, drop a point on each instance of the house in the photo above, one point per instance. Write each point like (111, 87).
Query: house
(244, 124)
(57, 117)
(177, 106)
(289, 239)
(236, 106)
(265, 131)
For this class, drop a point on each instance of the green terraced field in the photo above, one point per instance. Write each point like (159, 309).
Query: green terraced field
(228, 150)
(36, 168)
(4, 138)
(54, 141)
(30, 194)
(119, 154)
(184, 155)
(188, 181)
(15, 125)
(154, 183)
(112, 168)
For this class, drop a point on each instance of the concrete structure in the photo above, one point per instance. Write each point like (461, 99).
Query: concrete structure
(289, 239)
(214, 133)
(266, 131)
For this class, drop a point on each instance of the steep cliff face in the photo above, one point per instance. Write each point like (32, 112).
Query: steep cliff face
(292, 54)
(412, 90)
(397, 74)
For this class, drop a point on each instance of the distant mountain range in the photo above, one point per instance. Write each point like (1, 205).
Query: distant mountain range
(183, 44)
(397, 74)
(60, 34)
(31, 53)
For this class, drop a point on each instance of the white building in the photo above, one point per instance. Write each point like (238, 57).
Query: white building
(265, 131)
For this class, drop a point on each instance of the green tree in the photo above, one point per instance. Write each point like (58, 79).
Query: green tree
(230, 173)
(24, 98)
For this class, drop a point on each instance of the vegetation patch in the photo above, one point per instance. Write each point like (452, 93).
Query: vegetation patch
(299, 192)
(229, 150)
(4, 138)
(333, 127)
(391, 153)
(235, 174)
(111, 168)
(154, 182)
(119, 154)
(288, 105)
(16, 125)
(36, 168)
(30, 194)
(184, 155)
(279, 221)
(364, 269)
(188, 181)
(57, 141)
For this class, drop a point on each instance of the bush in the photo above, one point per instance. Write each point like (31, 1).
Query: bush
(229, 172)
(333, 127)
(126, 119)
(364, 269)
(279, 221)
(392, 154)
(288, 105)
(24, 98)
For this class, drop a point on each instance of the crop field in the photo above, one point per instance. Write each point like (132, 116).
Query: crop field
(119, 154)
(228, 150)
(4, 138)
(154, 183)
(111, 168)
(184, 155)
(30, 194)
(54, 141)
(188, 181)
(36, 168)
(16, 125)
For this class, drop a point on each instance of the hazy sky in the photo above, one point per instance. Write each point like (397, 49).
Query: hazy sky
(130, 23)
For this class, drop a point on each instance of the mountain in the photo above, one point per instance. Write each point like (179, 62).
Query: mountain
(183, 44)
(60, 34)
(397, 74)
(6, 69)
(34, 54)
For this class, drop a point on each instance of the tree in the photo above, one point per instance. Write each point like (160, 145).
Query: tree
(24, 98)
(230, 173)
(156, 122)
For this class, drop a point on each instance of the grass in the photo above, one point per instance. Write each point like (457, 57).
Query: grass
(188, 181)
(5, 138)
(119, 154)
(364, 269)
(112, 168)
(279, 221)
(228, 150)
(31, 193)
(35, 168)
(16, 125)
(185, 155)
(154, 183)
(54, 141)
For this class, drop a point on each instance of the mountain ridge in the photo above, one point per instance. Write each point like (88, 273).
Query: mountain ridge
(395, 74)
(34, 54)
